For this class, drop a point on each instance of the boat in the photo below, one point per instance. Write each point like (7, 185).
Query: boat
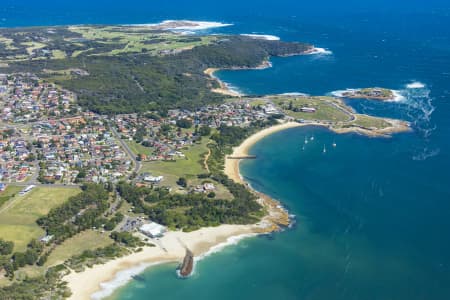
(312, 138)
(334, 144)
(306, 140)
(324, 149)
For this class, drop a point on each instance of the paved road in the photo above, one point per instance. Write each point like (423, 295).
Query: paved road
(24, 184)
(137, 164)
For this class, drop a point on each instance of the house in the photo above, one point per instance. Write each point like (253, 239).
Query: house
(308, 109)
(153, 179)
(46, 239)
(153, 230)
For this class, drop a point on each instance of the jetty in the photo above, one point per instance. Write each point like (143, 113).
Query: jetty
(187, 266)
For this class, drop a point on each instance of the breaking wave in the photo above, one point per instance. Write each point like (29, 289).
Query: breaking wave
(121, 279)
(233, 240)
(415, 85)
(266, 37)
(419, 109)
(296, 94)
(320, 51)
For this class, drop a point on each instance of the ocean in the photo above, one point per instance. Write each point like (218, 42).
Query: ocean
(372, 214)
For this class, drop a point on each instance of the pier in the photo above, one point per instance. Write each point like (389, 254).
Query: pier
(187, 266)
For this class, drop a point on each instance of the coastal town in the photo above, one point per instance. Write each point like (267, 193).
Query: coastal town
(97, 187)
(48, 139)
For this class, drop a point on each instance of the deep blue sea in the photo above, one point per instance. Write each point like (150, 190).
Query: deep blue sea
(372, 214)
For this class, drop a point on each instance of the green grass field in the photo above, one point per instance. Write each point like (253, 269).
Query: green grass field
(370, 122)
(191, 166)
(87, 240)
(138, 39)
(18, 216)
(9, 193)
(139, 149)
(327, 109)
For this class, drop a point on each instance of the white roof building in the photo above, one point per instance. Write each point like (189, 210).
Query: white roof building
(153, 229)
(153, 179)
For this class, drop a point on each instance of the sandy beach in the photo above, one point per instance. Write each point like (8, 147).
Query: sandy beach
(232, 165)
(101, 280)
(224, 88)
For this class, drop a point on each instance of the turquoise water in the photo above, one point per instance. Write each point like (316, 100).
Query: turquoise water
(372, 215)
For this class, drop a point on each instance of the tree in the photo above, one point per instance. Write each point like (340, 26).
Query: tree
(184, 123)
(6, 247)
(182, 182)
(204, 131)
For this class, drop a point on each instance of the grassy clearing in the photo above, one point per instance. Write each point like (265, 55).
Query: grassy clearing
(257, 102)
(327, 108)
(31, 46)
(370, 122)
(138, 148)
(59, 54)
(8, 43)
(87, 240)
(18, 216)
(139, 39)
(78, 52)
(189, 167)
(9, 193)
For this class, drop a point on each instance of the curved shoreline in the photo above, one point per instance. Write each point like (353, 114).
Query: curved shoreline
(103, 280)
(232, 165)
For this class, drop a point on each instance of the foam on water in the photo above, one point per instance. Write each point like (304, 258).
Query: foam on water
(233, 240)
(320, 51)
(296, 94)
(121, 279)
(419, 108)
(266, 37)
(398, 96)
(340, 93)
(188, 28)
(415, 85)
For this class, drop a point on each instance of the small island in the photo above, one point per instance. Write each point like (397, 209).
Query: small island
(375, 93)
